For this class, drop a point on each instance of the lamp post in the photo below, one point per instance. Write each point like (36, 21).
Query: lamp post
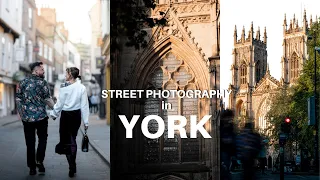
(315, 104)
(316, 130)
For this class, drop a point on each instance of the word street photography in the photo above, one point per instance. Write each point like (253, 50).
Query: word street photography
(164, 93)
(175, 122)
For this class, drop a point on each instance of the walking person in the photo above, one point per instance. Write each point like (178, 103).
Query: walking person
(74, 107)
(227, 142)
(248, 145)
(94, 99)
(262, 156)
(32, 96)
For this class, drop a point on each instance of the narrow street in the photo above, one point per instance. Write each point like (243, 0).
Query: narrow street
(14, 163)
(270, 176)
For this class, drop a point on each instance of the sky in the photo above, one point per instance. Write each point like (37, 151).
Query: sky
(269, 14)
(75, 15)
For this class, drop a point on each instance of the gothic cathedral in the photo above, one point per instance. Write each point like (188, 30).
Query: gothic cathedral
(184, 54)
(252, 84)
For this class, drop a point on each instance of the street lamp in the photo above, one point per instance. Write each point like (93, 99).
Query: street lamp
(316, 49)
(316, 134)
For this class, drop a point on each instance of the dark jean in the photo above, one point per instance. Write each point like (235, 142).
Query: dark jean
(30, 129)
(226, 160)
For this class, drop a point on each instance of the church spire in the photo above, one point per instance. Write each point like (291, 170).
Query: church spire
(284, 24)
(251, 31)
(310, 20)
(268, 69)
(285, 20)
(243, 35)
(265, 35)
(258, 34)
(235, 34)
(305, 21)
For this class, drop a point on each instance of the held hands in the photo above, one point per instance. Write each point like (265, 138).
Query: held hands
(52, 116)
(86, 127)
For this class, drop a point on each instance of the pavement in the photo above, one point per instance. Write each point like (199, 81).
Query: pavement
(270, 176)
(90, 165)
(99, 137)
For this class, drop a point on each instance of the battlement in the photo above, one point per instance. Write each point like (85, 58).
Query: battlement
(251, 38)
(294, 26)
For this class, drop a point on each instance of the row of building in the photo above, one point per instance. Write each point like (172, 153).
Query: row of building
(29, 34)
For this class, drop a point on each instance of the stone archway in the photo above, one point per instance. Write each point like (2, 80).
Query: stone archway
(239, 108)
(171, 177)
(261, 119)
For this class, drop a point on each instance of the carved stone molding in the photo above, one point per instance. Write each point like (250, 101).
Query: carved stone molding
(195, 19)
(193, 8)
(170, 29)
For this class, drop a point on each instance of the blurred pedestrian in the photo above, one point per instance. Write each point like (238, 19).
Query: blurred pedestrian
(32, 96)
(94, 99)
(248, 147)
(262, 156)
(74, 107)
(227, 142)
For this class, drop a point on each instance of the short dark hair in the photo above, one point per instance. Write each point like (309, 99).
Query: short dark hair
(227, 113)
(34, 65)
(248, 125)
(73, 71)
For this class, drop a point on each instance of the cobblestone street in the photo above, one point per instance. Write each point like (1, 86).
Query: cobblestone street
(14, 163)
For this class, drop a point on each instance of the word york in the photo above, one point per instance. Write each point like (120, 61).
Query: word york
(172, 126)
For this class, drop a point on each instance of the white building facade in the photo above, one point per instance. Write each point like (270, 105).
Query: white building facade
(10, 30)
(74, 59)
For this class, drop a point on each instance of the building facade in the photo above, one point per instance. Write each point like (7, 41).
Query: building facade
(85, 56)
(105, 54)
(184, 55)
(28, 43)
(252, 84)
(10, 30)
(73, 56)
(45, 48)
(96, 61)
(52, 39)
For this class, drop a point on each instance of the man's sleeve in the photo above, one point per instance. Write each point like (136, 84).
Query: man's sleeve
(46, 90)
(19, 99)
(46, 95)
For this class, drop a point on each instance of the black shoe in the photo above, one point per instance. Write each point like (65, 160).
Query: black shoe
(33, 172)
(73, 168)
(71, 173)
(42, 170)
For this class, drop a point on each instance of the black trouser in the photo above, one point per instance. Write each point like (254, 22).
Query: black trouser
(30, 129)
(262, 164)
(248, 170)
(70, 122)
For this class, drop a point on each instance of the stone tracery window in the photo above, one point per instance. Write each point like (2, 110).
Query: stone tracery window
(262, 119)
(258, 72)
(294, 66)
(174, 75)
(243, 74)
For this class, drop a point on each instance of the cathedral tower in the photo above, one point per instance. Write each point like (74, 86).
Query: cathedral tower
(248, 68)
(294, 48)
